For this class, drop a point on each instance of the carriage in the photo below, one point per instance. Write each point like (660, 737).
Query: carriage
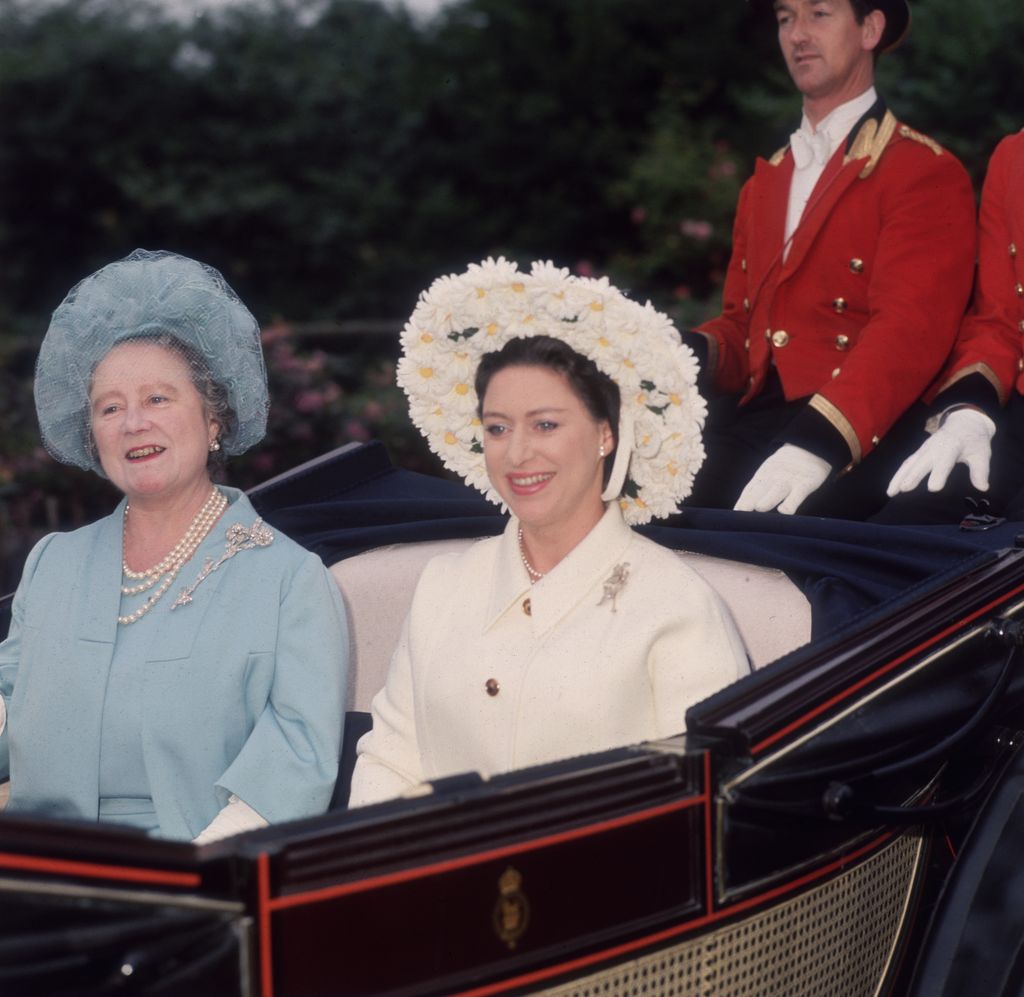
(842, 821)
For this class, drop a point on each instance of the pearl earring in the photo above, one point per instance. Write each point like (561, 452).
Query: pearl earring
(600, 451)
(214, 446)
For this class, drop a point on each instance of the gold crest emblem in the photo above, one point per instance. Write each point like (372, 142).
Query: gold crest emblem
(512, 909)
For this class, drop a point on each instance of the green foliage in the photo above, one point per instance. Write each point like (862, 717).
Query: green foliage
(332, 157)
(959, 76)
(321, 400)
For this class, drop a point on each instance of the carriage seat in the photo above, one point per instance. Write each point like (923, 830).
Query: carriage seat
(771, 613)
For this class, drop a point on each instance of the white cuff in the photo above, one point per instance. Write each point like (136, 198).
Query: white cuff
(237, 816)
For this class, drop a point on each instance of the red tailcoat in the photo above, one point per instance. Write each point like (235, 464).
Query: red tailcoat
(989, 342)
(862, 313)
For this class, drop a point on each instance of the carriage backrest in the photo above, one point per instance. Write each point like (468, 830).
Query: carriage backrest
(771, 613)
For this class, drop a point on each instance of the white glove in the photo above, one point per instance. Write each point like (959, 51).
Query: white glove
(237, 816)
(785, 479)
(964, 436)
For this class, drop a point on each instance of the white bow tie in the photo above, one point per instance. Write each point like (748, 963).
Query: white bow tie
(809, 147)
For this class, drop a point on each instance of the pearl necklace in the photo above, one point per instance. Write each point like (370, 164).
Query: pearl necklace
(535, 575)
(167, 569)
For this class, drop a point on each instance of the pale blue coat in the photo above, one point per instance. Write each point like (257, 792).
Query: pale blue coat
(244, 687)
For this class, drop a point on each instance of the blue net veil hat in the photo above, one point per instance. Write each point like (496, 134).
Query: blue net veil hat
(146, 295)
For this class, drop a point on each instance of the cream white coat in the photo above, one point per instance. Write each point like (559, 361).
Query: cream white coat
(579, 673)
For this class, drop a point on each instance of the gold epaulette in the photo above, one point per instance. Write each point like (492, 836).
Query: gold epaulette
(907, 132)
(779, 156)
(871, 141)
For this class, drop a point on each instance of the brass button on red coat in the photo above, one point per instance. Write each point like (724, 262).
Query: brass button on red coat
(839, 305)
(746, 304)
(492, 687)
(857, 265)
(1020, 290)
(779, 338)
(527, 608)
(1013, 249)
(842, 342)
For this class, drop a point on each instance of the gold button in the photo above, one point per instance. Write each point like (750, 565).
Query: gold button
(1020, 290)
(527, 608)
(492, 687)
(779, 338)
(746, 344)
(842, 342)
(1020, 361)
(1013, 249)
(746, 304)
(857, 265)
(835, 373)
(839, 305)
(767, 333)
(875, 441)
(743, 264)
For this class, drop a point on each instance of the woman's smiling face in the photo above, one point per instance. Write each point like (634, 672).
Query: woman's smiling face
(149, 422)
(542, 449)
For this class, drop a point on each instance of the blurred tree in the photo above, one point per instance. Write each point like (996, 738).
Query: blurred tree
(332, 157)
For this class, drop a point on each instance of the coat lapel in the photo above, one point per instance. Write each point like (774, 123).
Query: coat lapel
(96, 604)
(833, 183)
(581, 573)
(178, 626)
(768, 223)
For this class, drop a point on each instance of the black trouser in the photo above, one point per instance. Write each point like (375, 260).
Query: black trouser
(738, 439)
(1005, 495)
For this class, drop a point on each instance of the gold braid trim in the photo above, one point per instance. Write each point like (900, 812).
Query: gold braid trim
(839, 422)
(870, 142)
(778, 156)
(986, 372)
(907, 132)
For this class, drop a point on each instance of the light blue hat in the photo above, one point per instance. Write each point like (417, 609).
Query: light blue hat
(146, 294)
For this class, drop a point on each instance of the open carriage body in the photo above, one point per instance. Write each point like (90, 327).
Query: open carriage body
(842, 821)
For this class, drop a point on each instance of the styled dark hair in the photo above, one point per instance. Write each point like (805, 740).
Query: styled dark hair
(598, 392)
(861, 9)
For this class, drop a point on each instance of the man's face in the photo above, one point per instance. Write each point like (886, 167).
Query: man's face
(828, 54)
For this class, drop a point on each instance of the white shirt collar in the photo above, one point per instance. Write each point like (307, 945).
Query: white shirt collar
(838, 122)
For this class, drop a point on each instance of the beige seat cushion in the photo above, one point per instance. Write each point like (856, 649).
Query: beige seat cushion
(771, 613)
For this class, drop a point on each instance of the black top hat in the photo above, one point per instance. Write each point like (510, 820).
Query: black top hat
(897, 20)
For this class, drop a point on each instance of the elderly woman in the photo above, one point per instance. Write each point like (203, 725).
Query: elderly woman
(177, 666)
(570, 633)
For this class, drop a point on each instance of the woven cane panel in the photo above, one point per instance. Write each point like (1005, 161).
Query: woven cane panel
(832, 941)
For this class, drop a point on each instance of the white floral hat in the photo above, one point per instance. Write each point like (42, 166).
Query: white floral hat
(461, 317)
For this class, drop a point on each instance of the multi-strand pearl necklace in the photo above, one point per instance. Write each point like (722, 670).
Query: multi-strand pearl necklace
(167, 570)
(535, 575)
